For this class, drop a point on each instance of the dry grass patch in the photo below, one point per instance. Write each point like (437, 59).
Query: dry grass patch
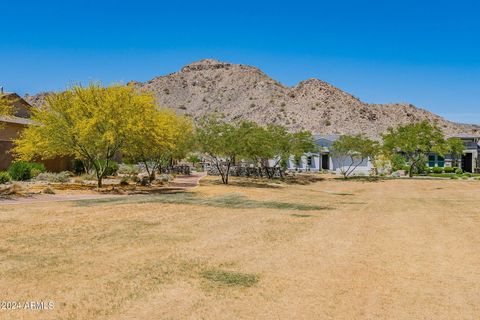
(389, 250)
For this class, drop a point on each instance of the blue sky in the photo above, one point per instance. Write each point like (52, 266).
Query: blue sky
(423, 52)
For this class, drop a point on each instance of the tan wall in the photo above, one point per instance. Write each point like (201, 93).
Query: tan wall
(5, 157)
(10, 131)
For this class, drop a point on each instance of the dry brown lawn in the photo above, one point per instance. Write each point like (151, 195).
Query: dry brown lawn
(394, 249)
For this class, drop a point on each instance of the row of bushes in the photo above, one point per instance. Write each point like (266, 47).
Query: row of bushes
(446, 170)
(23, 171)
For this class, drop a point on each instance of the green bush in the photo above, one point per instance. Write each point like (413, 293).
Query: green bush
(398, 162)
(78, 167)
(437, 170)
(459, 171)
(449, 170)
(112, 167)
(4, 177)
(21, 170)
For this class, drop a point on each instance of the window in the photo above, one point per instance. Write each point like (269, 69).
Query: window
(309, 161)
(431, 160)
(440, 162)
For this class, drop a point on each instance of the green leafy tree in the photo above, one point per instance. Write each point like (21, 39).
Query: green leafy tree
(256, 145)
(455, 148)
(284, 145)
(220, 142)
(351, 151)
(90, 123)
(194, 159)
(415, 142)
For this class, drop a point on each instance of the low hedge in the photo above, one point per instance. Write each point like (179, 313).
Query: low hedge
(437, 170)
(22, 170)
(449, 170)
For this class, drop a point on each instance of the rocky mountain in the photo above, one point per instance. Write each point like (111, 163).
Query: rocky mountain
(244, 92)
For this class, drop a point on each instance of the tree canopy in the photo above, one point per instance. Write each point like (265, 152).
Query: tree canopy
(90, 123)
(161, 138)
(5, 107)
(220, 142)
(455, 148)
(265, 147)
(351, 151)
(415, 141)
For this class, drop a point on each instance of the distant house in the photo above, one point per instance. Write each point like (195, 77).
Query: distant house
(12, 126)
(323, 160)
(469, 161)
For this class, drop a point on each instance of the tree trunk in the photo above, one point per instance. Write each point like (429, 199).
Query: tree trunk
(151, 176)
(99, 182)
(410, 172)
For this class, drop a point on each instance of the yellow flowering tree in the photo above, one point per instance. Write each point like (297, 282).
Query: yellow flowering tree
(90, 123)
(162, 137)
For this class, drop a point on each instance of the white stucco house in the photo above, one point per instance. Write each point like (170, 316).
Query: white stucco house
(324, 161)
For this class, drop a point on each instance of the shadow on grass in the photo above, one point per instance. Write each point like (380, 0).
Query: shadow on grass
(296, 215)
(254, 183)
(233, 200)
(303, 179)
(363, 179)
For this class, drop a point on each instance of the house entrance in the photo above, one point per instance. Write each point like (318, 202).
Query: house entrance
(467, 162)
(325, 162)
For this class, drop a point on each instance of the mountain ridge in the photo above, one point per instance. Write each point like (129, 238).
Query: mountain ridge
(239, 91)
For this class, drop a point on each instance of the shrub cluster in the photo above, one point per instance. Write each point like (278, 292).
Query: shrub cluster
(437, 170)
(61, 177)
(4, 177)
(22, 171)
(449, 169)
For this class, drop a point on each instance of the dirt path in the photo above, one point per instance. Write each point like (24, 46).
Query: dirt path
(179, 183)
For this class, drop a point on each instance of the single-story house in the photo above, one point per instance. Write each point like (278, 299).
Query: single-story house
(12, 126)
(323, 160)
(469, 161)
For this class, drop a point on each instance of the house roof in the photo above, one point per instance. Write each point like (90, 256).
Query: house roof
(16, 120)
(464, 136)
(330, 137)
